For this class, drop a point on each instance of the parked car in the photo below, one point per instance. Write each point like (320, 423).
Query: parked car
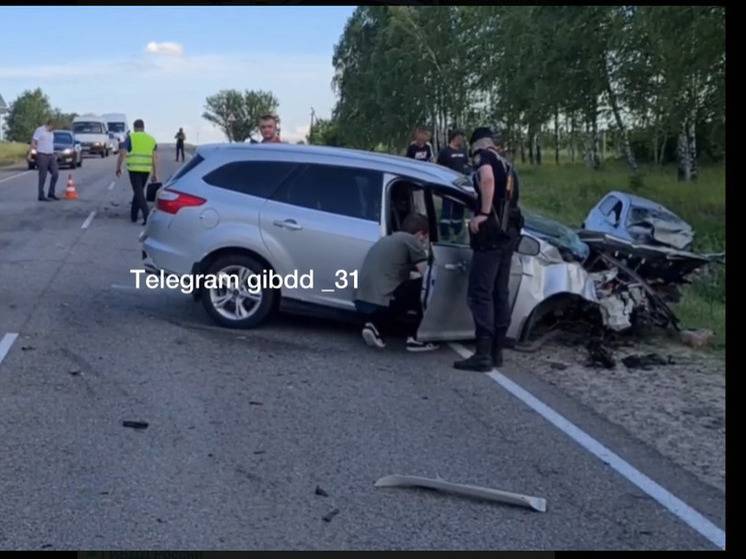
(66, 148)
(93, 135)
(246, 208)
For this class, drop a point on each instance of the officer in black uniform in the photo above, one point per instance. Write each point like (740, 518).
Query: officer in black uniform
(495, 233)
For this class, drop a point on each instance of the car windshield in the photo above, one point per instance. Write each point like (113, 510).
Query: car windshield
(115, 126)
(63, 138)
(88, 128)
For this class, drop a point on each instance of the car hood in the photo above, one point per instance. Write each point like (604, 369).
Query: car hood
(91, 137)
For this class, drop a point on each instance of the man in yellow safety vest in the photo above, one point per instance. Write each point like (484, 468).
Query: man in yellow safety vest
(140, 150)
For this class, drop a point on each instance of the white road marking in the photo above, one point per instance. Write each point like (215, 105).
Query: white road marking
(111, 185)
(88, 220)
(14, 176)
(327, 291)
(5, 344)
(657, 492)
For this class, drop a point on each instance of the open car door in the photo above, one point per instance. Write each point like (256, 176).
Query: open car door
(446, 314)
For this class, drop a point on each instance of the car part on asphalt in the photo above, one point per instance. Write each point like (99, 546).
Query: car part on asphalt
(536, 503)
(598, 354)
(646, 361)
(328, 516)
(320, 492)
(135, 424)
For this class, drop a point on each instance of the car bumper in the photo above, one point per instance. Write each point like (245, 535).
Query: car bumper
(93, 149)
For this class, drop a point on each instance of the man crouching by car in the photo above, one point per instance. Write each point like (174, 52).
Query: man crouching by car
(386, 291)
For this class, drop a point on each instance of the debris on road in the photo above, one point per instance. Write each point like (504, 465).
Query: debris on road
(27, 348)
(260, 451)
(328, 517)
(321, 492)
(600, 355)
(255, 403)
(536, 503)
(646, 361)
(135, 424)
(75, 372)
(697, 338)
(557, 366)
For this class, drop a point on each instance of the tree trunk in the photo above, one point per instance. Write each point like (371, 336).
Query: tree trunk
(684, 154)
(556, 136)
(572, 138)
(522, 143)
(692, 142)
(537, 146)
(624, 137)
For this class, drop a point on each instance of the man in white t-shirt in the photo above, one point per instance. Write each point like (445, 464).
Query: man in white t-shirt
(46, 160)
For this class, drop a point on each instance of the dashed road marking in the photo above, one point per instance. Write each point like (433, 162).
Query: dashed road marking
(14, 176)
(5, 344)
(88, 220)
(111, 185)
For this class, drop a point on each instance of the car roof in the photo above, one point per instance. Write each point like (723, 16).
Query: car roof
(424, 171)
(637, 201)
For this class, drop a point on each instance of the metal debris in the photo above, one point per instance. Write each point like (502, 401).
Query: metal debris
(328, 517)
(321, 492)
(135, 424)
(535, 503)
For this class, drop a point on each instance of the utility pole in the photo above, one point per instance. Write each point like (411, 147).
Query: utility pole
(310, 130)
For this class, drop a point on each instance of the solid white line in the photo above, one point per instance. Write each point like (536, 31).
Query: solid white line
(664, 497)
(111, 186)
(5, 344)
(88, 220)
(14, 176)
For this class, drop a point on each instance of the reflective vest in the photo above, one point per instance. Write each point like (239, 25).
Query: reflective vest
(140, 155)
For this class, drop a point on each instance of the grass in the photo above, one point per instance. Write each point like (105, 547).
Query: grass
(12, 152)
(566, 192)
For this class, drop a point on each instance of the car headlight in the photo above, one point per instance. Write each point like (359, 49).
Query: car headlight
(33, 152)
(67, 151)
(97, 144)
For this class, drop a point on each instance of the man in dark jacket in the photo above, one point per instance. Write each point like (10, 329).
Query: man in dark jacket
(493, 241)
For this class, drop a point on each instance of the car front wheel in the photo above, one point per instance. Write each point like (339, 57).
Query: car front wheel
(234, 304)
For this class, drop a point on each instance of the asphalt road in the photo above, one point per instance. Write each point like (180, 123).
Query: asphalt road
(244, 425)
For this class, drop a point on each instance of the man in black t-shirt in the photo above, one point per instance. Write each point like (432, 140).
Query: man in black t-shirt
(420, 149)
(493, 244)
(454, 157)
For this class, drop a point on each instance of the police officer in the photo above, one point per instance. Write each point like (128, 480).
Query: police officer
(495, 232)
(139, 148)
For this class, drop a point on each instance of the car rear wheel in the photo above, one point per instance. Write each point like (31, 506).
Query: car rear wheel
(235, 306)
(31, 165)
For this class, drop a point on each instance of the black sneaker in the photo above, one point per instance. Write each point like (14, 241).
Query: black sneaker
(52, 197)
(416, 345)
(43, 199)
(372, 337)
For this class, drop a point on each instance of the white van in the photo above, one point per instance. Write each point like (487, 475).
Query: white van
(118, 128)
(92, 133)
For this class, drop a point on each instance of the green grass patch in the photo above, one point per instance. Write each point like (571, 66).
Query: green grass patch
(566, 192)
(12, 152)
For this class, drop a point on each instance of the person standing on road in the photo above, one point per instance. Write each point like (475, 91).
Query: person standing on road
(180, 137)
(420, 149)
(142, 159)
(386, 291)
(454, 157)
(268, 130)
(493, 243)
(46, 161)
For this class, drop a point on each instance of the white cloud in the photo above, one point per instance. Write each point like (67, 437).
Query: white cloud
(171, 49)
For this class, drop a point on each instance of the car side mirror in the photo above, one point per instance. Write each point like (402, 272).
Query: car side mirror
(528, 246)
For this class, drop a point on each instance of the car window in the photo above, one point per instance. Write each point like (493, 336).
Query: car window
(611, 208)
(256, 178)
(191, 164)
(452, 219)
(62, 138)
(346, 191)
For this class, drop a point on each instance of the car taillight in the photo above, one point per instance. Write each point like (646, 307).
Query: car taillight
(171, 201)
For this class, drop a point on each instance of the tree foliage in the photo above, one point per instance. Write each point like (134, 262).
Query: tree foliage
(29, 111)
(237, 114)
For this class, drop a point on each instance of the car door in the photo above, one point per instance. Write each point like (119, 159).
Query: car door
(322, 221)
(446, 314)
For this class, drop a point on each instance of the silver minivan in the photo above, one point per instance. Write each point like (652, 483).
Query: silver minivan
(253, 209)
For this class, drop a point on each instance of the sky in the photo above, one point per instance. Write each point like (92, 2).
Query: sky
(160, 63)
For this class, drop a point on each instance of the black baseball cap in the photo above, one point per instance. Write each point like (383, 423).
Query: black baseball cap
(481, 132)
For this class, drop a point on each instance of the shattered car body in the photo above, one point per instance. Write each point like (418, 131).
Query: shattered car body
(639, 220)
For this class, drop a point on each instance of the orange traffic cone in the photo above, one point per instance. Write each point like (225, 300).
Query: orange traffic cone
(70, 192)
